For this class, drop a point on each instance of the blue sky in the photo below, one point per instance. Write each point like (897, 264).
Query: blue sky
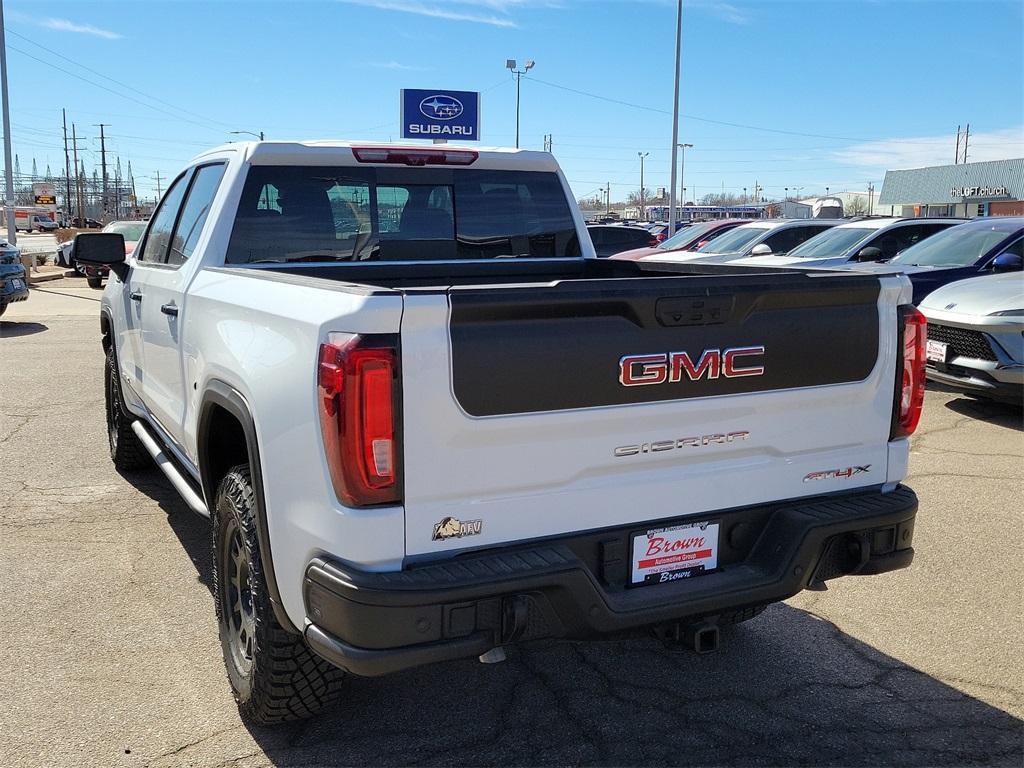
(817, 93)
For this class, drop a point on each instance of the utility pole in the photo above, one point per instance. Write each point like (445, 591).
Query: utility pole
(67, 167)
(956, 157)
(607, 198)
(135, 198)
(682, 171)
(103, 166)
(78, 180)
(871, 197)
(158, 192)
(643, 213)
(967, 139)
(12, 235)
(548, 142)
(675, 123)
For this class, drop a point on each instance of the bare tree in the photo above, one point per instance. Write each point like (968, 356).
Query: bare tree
(857, 206)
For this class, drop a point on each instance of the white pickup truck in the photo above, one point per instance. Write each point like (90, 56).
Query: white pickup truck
(428, 423)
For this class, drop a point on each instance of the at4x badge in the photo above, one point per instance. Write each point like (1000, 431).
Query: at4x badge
(450, 528)
(836, 474)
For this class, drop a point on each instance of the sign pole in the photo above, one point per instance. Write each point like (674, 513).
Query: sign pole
(675, 125)
(12, 235)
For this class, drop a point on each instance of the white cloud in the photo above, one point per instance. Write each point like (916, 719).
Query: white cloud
(492, 12)
(66, 25)
(725, 11)
(924, 151)
(398, 67)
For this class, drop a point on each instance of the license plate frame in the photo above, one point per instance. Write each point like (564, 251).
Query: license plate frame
(675, 552)
(17, 284)
(936, 351)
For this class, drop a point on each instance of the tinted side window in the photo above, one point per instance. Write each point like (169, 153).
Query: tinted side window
(597, 236)
(154, 249)
(788, 239)
(193, 215)
(1016, 249)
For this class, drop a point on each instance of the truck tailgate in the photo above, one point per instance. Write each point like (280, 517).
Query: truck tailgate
(536, 410)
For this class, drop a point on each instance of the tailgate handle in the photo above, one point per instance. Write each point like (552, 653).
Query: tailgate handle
(694, 310)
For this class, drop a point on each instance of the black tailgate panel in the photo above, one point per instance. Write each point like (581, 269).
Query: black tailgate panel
(530, 349)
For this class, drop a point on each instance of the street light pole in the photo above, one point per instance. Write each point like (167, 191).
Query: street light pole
(12, 234)
(248, 133)
(682, 170)
(510, 64)
(675, 125)
(643, 213)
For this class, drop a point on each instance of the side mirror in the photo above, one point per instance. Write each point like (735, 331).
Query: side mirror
(1007, 262)
(761, 250)
(102, 249)
(871, 253)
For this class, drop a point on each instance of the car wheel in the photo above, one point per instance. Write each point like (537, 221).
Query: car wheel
(273, 675)
(126, 450)
(94, 282)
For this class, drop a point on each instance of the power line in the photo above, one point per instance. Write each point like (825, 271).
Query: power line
(117, 82)
(110, 90)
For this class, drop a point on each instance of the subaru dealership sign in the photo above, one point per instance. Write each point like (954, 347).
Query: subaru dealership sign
(440, 115)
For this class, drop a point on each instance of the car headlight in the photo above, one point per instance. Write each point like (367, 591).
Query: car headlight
(1008, 313)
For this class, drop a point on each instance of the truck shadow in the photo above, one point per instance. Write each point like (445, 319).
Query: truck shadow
(786, 688)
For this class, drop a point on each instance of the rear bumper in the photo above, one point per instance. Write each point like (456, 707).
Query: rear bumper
(1005, 383)
(377, 623)
(8, 274)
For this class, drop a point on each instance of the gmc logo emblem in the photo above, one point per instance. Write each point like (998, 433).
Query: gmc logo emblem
(642, 370)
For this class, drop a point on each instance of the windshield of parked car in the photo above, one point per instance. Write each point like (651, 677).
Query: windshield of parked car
(131, 230)
(832, 242)
(958, 246)
(734, 240)
(301, 213)
(692, 234)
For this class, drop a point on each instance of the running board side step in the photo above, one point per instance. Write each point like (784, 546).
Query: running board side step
(181, 485)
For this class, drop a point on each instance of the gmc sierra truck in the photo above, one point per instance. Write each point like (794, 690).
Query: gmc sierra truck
(427, 422)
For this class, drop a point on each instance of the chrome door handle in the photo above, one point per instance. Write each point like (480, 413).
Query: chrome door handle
(135, 295)
(169, 309)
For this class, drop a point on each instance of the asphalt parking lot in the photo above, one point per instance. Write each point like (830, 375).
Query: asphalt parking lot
(111, 655)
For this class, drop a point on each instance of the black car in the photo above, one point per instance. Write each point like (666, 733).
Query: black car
(610, 239)
(979, 247)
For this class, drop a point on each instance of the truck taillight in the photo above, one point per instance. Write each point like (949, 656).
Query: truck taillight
(910, 379)
(357, 378)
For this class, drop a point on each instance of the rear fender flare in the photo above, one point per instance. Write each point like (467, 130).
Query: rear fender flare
(218, 393)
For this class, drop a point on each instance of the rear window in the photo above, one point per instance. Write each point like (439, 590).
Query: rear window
(301, 213)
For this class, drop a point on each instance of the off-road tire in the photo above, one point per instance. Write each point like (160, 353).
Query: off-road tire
(94, 282)
(274, 676)
(126, 450)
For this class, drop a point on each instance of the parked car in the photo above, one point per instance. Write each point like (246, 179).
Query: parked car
(976, 336)
(687, 239)
(764, 237)
(858, 241)
(13, 280)
(87, 223)
(609, 239)
(978, 247)
(434, 434)
(131, 231)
